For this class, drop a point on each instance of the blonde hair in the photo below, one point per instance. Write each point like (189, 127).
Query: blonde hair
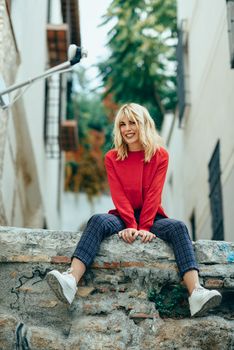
(149, 137)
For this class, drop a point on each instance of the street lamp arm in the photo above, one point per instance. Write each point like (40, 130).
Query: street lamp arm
(75, 54)
(49, 72)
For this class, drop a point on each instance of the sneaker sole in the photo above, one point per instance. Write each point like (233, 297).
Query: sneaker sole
(210, 304)
(56, 288)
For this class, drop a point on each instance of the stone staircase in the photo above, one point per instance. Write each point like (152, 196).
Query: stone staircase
(112, 310)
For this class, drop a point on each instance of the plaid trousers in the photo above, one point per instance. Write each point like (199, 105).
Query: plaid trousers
(172, 231)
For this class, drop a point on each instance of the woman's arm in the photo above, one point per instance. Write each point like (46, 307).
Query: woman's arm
(153, 196)
(119, 197)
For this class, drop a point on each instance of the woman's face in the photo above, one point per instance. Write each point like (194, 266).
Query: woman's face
(130, 134)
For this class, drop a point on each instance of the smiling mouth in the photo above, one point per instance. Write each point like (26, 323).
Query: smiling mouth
(128, 136)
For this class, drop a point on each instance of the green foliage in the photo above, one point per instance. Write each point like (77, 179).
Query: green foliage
(71, 172)
(141, 66)
(87, 108)
(109, 144)
(92, 177)
(86, 172)
(171, 301)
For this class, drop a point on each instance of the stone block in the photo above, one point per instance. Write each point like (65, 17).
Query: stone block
(8, 326)
(142, 315)
(46, 339)
(85, 291)
(60, 259)
(216, 252)
(213, 283)
(229, 284)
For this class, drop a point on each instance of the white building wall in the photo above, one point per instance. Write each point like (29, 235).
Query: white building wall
(29, 19)
(31, 185)
(210, 118)
(9, 60)
(29, 24)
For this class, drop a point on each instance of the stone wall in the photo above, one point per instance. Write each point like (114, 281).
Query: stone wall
(112, 310)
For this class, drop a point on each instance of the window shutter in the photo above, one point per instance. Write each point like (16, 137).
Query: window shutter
(68, 135)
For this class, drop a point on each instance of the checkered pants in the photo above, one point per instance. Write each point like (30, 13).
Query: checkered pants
(172, 231)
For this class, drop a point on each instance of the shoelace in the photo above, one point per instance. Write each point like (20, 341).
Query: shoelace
(68, 272)
(198, 289)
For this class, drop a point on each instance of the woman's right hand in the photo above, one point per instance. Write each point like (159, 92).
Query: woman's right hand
(128, 234)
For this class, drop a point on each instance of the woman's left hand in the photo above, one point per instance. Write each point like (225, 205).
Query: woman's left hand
(146, 236)
(128, 235)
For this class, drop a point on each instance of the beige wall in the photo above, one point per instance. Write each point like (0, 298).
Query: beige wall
(9, 61)
(30, 184)
(210, 118)
(31, 39)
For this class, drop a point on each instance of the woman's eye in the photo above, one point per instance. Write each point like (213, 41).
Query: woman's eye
(131, 122)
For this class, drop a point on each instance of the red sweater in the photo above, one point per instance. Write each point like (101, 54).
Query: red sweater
(135, 184)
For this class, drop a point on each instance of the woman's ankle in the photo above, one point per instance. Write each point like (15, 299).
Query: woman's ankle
(78, 268)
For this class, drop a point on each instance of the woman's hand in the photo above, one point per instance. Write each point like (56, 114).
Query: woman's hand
(146, 236)
(128, 234)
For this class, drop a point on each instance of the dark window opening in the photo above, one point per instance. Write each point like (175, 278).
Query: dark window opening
(180, 75)
(193, 226)
(46, 109)
(230, 23)
(215, 195)
(182, 72)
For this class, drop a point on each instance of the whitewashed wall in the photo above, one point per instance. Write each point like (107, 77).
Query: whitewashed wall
(210, 118)
(29, 203)
(18, 178)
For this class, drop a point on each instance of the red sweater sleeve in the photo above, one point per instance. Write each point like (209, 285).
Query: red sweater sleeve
(153, 196)
(119, 197)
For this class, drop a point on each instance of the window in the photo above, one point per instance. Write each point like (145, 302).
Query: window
(230, 20)
(52, 117)
(182, 72)
(193, 225)
(215, 195)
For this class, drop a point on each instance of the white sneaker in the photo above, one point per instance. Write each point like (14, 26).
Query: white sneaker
(62, 284)
(202, 300)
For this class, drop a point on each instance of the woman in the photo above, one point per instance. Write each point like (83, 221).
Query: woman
(136, 171)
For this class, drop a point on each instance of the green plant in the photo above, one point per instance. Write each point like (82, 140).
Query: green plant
(171, 301)
(142, 62)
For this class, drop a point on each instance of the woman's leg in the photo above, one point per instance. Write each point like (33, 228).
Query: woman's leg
(191, 280)
(78, 268)
(98, 227)
(176, 233)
